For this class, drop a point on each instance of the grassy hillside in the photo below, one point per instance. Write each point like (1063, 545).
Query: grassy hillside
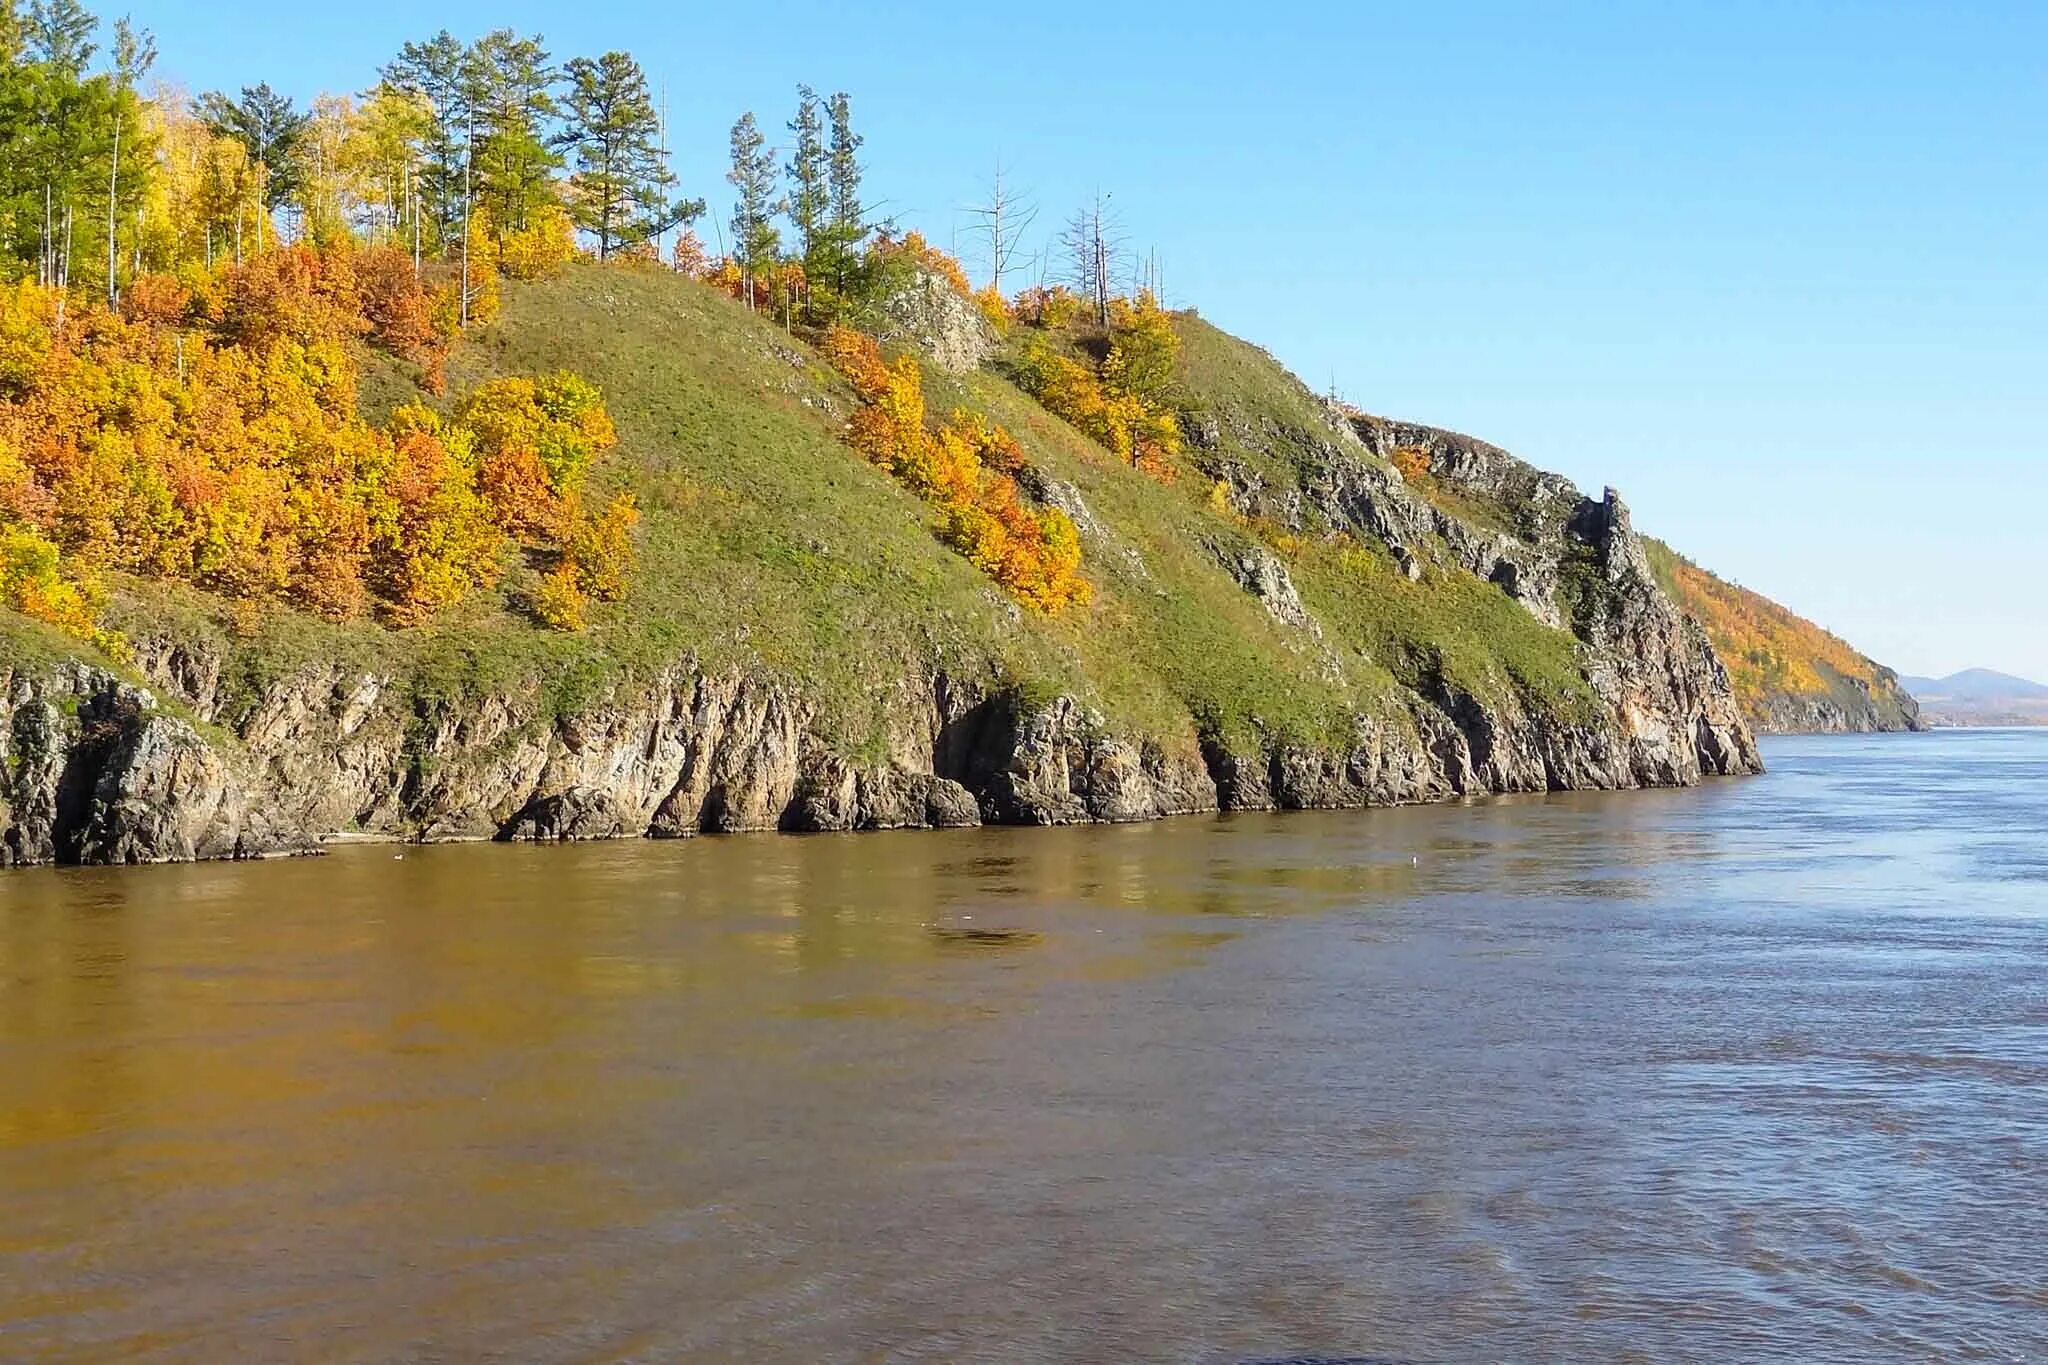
(1782, 665)
(1450, 624)
(768, 544)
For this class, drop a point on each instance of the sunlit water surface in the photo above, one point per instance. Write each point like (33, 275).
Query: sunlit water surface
(1753, 1071)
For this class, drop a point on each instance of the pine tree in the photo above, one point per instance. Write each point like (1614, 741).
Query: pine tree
(16, 121)
(134, 54)
(59, 33)
(845, 165)
(508, 84)
(619, 191)
(755, 239)
(269, 130)
(810, 200)
(64, 136)
(843, 179)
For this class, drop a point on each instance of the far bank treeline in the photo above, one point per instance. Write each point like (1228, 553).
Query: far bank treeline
(188, 286)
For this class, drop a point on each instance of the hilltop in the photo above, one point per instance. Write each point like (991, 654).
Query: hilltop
(404, 465)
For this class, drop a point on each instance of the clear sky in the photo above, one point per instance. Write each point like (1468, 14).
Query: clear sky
(1776, 270)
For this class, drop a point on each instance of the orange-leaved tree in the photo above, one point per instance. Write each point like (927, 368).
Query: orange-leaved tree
(1123, 400)
(208, 432)
(965, 469)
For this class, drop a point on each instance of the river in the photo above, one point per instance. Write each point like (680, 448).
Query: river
(1753, 1071)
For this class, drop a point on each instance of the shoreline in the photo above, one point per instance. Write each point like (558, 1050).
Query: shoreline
(322, 844)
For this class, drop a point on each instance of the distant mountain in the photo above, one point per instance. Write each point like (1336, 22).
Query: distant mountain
(1976, 685)
(1980, 696)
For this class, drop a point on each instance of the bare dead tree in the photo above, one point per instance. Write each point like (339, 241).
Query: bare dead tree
(1002, 222)
(1094, 247)
(1147, 277)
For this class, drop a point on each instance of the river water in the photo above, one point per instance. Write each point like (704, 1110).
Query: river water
(1753, 1071)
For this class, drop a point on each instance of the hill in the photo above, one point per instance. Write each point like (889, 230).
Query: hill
(1274, 617)
(1977, 684)
(1980, 696)
(1791, 675)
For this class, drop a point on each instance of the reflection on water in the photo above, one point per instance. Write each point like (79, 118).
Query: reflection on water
(1751, 1071)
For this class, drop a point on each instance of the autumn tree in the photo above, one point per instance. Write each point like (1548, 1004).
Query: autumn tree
(752, 176)
(192, 191)
(619, 190)
(394, 129)
(335, 190)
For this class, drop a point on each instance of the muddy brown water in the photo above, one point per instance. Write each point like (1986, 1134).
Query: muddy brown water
(1752, 1071)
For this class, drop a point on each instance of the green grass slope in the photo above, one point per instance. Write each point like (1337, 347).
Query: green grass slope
(768, 545)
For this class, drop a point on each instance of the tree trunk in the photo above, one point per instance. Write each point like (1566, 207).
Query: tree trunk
(468, 160)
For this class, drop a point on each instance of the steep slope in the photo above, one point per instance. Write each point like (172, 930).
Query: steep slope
(1793, 677)
(799, 651)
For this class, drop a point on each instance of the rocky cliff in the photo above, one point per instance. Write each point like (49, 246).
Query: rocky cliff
(1362, 613)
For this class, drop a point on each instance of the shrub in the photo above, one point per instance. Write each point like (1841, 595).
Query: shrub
(397, 307)
(1121, 401)
(156, 301)
(603, 549)
(913, 247)
(232, 456)
(541, 248)
(1035, 554)
(558, 600)
(995, 308)
(33, 583)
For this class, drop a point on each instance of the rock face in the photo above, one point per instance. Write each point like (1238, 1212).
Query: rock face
(1852, 707)
(930, 314)
(95, 773)
(1792, 676)
(99, 770)
(1572, 562)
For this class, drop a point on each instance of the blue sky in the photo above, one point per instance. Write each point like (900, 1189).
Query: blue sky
(1778, 271)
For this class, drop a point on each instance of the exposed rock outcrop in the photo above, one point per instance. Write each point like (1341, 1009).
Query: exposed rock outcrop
(931, 315)
(94, 772)
(1850, 707)
(1261, 573)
